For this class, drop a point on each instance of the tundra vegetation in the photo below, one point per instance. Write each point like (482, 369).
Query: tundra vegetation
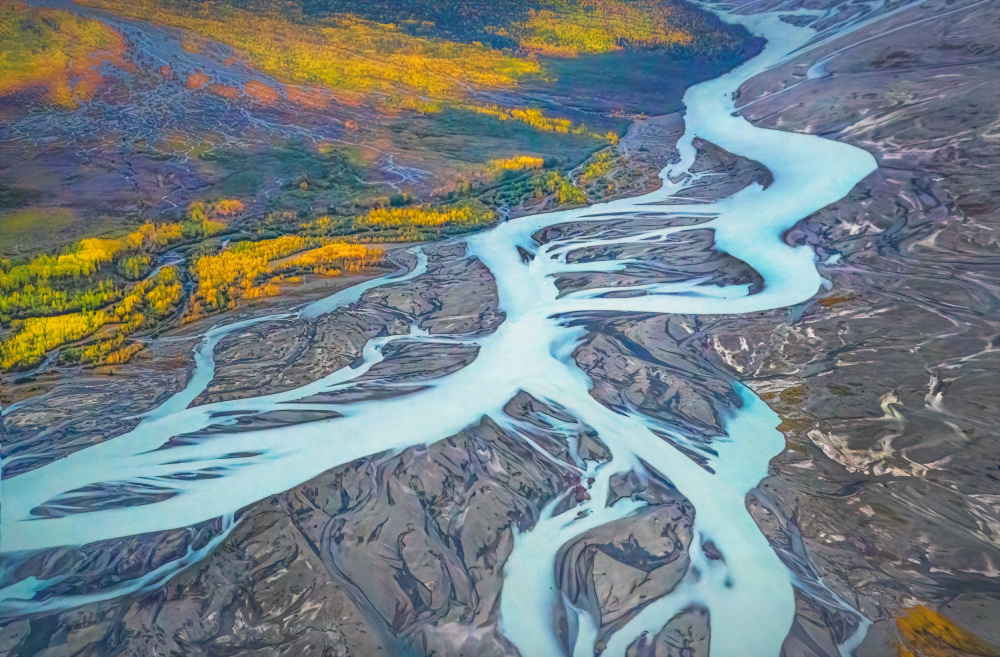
(71, 298)
(447, 81)
(53, 51)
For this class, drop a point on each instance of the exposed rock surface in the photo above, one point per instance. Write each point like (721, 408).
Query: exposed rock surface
(885, 499)
(686, 635)
(885, 382)
(615, 570)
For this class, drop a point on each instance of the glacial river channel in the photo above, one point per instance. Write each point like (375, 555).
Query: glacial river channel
(748, 592)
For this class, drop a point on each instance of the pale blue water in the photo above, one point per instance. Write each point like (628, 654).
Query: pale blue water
(748, 593)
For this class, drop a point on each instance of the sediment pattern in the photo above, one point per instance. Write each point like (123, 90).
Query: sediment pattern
(536, 441)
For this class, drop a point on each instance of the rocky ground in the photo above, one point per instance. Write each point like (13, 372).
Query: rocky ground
(889, 483)
(886, 496)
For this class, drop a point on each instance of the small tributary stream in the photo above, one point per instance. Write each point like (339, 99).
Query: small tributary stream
(746, 589)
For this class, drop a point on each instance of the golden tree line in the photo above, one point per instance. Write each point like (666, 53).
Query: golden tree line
(239, 271)
(147, 301)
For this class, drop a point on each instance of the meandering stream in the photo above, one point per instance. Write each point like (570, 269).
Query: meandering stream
(747, 592)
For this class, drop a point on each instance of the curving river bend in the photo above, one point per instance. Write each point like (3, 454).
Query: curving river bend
(748, 592)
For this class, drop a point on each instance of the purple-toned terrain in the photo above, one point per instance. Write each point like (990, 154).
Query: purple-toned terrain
(747, 410)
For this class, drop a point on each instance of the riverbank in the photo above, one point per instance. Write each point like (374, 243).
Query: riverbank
(525, 343)
(549, 391)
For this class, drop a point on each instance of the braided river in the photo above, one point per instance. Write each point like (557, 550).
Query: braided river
(745, 587)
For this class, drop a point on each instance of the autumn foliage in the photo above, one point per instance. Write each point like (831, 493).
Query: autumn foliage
(518, 163)
(427, 217)
(245, 270)
(261, 92)
(332, 259)
(342, 52)
(49, 284)
(53, 299)
(926, 633)
(31, 338)
(228, 275)
(533, 117)
(196, 80)
(572, 27)
(224, 90)
(228, 207)
(599, 165)
(54, 50)
(561, 189)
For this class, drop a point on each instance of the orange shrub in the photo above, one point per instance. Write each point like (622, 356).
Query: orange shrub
(929, 634)
(229, 207)
(224, 90)
(196, 80)
(261, 92)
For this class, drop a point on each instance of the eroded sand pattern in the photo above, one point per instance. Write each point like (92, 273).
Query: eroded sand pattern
(199, 463)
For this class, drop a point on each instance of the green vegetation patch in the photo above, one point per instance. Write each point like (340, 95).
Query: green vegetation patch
(22, 230)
